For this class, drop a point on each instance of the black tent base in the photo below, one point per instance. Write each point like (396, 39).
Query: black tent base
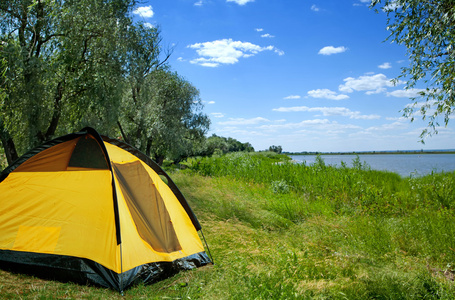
(86, 272)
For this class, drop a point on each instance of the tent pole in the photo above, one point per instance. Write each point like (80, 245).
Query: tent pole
(121, 270)
(207, 245)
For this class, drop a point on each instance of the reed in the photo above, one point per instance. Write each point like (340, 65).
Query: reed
(357, 190)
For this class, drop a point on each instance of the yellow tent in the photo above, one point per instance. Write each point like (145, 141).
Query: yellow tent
(92, 209)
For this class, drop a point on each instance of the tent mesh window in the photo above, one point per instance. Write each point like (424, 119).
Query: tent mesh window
(147, 207)
(88, 154)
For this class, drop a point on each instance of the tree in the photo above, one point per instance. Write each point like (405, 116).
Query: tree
(142, 49)
(165, 118)
(78, 63)
(178, 120)
(214, 144)
(277, 149)
(161, 111)
(427, 29)
(221, 145)
(247, 147)
(64, 70)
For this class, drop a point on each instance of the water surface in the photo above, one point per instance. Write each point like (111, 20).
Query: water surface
(403, 164)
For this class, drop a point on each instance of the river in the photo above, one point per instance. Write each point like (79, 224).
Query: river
(404, 164)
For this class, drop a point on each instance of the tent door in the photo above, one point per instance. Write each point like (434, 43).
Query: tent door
(146, 206)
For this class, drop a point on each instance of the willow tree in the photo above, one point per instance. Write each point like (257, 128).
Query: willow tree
(166, 118)
(161, 111)
(64, 67)
(427, 29)
(76, 63)
(179, 123)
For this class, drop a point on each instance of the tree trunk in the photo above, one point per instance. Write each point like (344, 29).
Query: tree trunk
(125, 138)
(159, 159)
(8, 145)
(148, 147)
(56, 115)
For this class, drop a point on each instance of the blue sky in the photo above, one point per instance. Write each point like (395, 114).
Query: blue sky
(306, 75)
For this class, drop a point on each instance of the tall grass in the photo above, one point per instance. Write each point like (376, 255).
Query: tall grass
(356, 190)
(390, 213)
(269, 244)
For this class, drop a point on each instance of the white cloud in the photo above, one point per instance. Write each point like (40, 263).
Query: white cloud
(385, 65)
(314, 7)
(371, 84)
(149, 25)
(240, 2)
(292, 97)
(242, 121)
(329, 50)
(211, 102)
(199, 3)
(279, 52)
(144, 11)
(329, 111)
(316, 124)
(410, 93)
(217, 115)
(402, 119)
(259, 29)
(226, 51)
(267, 35)
(388, 127)
(327, 94)
(428, 103)
(291, 109)
(362, 3)
(304, 123)
(234, 131)
(393, 5)
(204, 62)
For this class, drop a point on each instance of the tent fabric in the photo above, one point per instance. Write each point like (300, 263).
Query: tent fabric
(138, 188)
(131, 150)
(87, 208)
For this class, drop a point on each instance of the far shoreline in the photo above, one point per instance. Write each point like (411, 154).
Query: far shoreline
(448, 151)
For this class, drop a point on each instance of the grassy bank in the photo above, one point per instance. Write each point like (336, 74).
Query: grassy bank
(278, 230)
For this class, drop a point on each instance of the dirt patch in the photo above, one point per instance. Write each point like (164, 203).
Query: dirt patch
(447, 273)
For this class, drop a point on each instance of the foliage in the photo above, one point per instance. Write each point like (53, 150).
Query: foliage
(427, 29)
(219, 145)
(162, 112)
(280, 187)
(63, 65)
(164, 116)
(72, 64)
(277, 149)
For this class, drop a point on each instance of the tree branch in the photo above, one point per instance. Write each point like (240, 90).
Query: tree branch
(125, 138)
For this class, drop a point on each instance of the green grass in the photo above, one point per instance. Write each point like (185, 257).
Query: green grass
(278, 230)
(265, 252)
